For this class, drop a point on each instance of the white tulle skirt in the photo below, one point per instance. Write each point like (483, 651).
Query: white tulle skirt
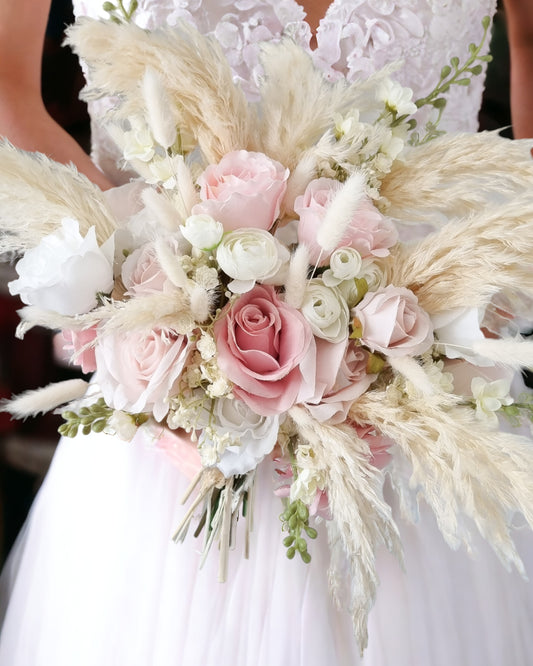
(95, 580)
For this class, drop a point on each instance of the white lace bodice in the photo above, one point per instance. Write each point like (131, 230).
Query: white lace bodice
(354, 38)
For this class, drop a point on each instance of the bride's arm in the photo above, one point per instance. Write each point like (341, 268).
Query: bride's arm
(23, 116)
(519, 14)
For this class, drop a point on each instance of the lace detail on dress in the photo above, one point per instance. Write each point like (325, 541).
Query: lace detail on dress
(354, 39)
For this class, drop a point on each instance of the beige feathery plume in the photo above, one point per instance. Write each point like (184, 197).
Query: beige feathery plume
(300, 177)
(46, 399)
(411, 370)
(36, 193)
(516, 353)
(170, 264)
(361, 515)
(159, 109)
(193, 70)
(468, 261)
(463, 467)
(296, 281)
(162, 208)
(457, 174)
(341, 212)
(160, 310)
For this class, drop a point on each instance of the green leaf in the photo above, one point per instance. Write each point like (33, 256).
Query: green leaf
(455, 62)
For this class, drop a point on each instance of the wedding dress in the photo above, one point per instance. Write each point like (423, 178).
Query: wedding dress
(95, 578)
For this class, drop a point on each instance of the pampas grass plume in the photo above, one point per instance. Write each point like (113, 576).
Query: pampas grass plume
(513, 353)
(297, 277)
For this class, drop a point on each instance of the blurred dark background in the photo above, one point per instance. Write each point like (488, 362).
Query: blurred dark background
(26, 448)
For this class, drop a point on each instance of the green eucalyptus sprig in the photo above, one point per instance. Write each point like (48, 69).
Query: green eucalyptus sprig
(453, 74)
(295, 521)
(118, 12)
(521, 408)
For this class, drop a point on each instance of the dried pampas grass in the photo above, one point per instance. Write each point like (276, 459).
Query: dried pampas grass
(468, 261)
(362, 518)
(36, 193)
(461, 466)
(192, 69)
(457, 174)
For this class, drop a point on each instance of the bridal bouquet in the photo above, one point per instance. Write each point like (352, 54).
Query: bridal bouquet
(249, 296)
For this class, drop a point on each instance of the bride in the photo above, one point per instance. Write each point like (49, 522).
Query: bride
(94, 578)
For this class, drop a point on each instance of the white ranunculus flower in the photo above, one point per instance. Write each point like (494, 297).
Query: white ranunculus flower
(373, 275)
(202, 231)
(249, 256)
(65, 271)
(344, 264)
(396, 97)
(256, 436)
(326, 311)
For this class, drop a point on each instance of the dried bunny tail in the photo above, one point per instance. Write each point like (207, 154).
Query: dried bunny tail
(517, 353)
(193, 70)
(46, 399)
(361, 515)
(457, 174)
(297, 277)
(468, 261)
(161, 310)
(158, 106)
(36, 193)
(340, 212)
(462, 467)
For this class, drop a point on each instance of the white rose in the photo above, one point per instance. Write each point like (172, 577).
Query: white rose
(326, 311)
(250, 255)
(373, 275)
(65, 271)
(344, 264)
(138, 143)
(256, 436)
(202, 231)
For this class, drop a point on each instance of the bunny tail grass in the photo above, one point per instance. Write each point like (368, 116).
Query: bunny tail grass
(513, 353)
(40, 401)
(36, 193)
(205, 102)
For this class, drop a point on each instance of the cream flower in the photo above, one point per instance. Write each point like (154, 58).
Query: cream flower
(326, 311)
(490, 397)
(202, 231)
(396, 97)
(344, 264)
(249, 256)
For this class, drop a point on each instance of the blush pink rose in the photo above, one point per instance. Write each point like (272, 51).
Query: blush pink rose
(244, 190)
(137, 371)
(350, 381)
(142, 273)
(79, 347)
(393, 323)
(370, 233)
(261, 343)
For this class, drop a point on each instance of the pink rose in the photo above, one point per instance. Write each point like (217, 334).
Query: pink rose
(369, 232)
(142, 273)
(80, 349)
(244, 190)
(393, 323)
(350, 381)
(137, 371)
(261, 343)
